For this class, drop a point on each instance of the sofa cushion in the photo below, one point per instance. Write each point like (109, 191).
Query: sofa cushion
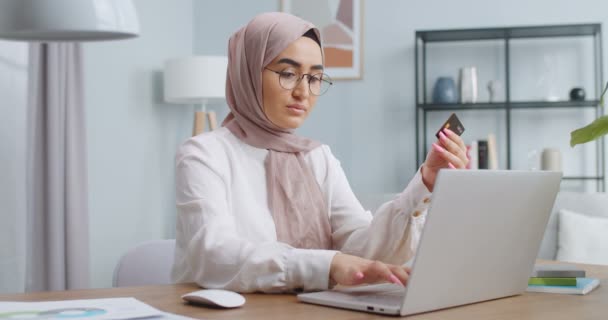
(593, 204)
(582, 238)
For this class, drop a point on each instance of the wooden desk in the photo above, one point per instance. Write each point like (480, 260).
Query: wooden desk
(536, 306)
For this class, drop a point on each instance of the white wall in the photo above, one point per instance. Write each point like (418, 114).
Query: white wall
(133, 134)
(369, 123)
(13, 86)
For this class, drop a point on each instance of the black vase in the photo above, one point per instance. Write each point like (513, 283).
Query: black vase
(577, 94)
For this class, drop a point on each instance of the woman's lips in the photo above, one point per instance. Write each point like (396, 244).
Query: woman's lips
(296, 109)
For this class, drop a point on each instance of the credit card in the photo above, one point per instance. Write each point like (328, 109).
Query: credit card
(453, 124)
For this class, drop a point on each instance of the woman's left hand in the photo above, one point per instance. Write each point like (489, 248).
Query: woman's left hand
(448, 152)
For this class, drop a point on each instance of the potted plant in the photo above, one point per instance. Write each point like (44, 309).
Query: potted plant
(592, 131)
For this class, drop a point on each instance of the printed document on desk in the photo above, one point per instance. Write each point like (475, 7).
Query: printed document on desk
(90, 309)
(168, 316)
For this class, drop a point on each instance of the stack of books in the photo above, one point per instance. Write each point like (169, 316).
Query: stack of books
(559, 278)
(482, 154)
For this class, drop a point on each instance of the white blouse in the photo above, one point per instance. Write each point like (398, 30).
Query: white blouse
(226, 236)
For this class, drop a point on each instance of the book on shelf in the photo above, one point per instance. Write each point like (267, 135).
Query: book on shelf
(473, 156)
(492, 153)
(544, 281)
(583, 286)
(557, 271)
(482, 154)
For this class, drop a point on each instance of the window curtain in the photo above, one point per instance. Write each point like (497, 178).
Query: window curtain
(57, 207)
(13, 91)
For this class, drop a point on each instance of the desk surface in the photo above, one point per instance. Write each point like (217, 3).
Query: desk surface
(263, 306)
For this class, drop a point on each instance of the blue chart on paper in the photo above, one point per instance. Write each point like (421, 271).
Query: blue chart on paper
(67, 313)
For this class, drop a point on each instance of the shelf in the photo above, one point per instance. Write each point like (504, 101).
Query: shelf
(509, 33)
(513, 105)
(554, 104)
(583, 178)
(460, 106)
(504, 38)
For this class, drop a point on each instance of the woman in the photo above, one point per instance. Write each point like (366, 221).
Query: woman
(262, 209)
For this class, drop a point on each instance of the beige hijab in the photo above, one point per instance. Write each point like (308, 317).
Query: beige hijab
(294, 196)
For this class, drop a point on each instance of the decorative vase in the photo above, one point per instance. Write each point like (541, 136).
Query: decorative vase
(551, 159)
(577, 94)
(468, 85)
(495, 90)
(445, 91)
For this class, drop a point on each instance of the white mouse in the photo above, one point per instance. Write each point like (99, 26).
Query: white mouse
(215, 297)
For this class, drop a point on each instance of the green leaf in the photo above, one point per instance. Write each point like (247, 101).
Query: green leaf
(591, 132)
(602, 96)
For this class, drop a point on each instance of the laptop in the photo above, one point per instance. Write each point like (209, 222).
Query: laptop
(480, 242)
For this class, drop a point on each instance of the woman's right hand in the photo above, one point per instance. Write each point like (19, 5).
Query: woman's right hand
(352, 270)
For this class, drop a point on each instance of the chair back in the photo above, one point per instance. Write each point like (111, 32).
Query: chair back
(147, 264)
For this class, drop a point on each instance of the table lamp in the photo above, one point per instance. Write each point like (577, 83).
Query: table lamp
(196, 80)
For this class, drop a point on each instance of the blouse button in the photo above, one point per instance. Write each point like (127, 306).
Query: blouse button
(416, 213)
(426, 200)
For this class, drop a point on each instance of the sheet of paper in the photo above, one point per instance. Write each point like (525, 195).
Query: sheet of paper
(90, 309)
(169, 316)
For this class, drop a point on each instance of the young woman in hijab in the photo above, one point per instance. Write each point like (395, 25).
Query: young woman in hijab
(262, 209)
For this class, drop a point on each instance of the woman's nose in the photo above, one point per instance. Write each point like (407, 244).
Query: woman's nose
(301, 89)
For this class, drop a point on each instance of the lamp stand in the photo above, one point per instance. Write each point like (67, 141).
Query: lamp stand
(200, 119)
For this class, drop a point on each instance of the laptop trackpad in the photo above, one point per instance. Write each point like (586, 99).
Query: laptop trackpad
(388, 288)
(380, 294)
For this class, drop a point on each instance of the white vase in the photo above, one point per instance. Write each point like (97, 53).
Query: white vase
(495, 91)
(468, 84)
(551, 159)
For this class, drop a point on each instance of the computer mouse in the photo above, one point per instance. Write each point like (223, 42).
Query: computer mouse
(215, 297)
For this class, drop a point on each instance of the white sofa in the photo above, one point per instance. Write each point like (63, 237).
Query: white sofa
(593, 204)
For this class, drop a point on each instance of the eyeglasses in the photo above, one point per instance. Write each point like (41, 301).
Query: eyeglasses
(318, 83)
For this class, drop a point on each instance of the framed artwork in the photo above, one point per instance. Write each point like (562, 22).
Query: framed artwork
(340, 23)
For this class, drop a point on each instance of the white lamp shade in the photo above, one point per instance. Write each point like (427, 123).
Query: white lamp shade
(195, 79)
(68, 20)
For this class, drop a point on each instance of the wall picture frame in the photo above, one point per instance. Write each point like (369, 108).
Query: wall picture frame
(341, 25)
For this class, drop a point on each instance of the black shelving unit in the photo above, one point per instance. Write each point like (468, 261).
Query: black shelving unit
(423, 38)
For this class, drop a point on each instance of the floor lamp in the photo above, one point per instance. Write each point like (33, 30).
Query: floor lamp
(196, 80)
(68, 20)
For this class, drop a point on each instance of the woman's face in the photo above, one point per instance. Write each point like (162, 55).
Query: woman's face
(289, 108)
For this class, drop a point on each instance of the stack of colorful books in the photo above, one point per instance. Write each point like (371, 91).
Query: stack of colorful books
(559, 278)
